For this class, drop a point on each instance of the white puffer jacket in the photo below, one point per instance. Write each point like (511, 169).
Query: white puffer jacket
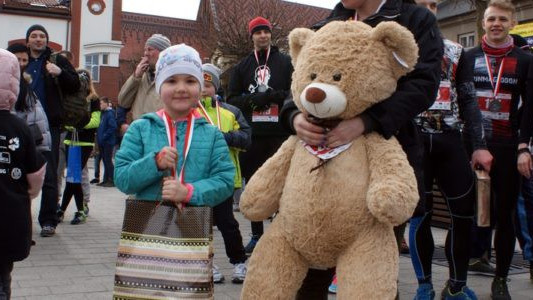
(37, 115)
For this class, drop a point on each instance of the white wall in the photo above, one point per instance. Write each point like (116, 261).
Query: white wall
(96, 33)
(15, 27)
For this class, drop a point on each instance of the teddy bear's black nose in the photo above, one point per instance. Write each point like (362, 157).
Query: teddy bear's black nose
(315, 95)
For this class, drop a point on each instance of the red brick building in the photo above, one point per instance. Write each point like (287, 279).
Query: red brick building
(137, 28)
(110, 42)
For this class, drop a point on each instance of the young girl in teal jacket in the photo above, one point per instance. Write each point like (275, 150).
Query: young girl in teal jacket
(146, 160)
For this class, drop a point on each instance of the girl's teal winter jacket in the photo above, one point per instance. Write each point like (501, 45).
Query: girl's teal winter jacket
(208, 167)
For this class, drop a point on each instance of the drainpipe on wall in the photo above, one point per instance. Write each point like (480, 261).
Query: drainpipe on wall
(67, 44)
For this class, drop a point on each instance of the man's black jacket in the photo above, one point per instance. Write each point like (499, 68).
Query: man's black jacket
(68, 82)
(241, 90)
(416, 91)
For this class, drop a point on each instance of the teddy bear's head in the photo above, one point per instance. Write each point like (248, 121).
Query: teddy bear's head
(346, 67)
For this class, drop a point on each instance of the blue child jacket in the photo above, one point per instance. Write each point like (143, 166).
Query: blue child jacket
(208, 167)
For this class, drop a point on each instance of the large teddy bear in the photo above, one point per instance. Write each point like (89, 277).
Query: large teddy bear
(336, 207)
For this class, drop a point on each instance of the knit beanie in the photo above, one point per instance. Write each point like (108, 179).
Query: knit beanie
(257, 24)
(178, 59)
(17, 48)
(9, 79)
(36, 27)
(158, 41)
(212, 74)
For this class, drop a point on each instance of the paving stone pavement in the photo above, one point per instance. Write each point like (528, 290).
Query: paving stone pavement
(79, 261)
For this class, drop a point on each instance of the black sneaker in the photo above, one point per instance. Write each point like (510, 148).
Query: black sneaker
(79, 218)
(480, 266)
(96, 180)
(108, 184)
(48, 231)
(499, 290)
(60, 215)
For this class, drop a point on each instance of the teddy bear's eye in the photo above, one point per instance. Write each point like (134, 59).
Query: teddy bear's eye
(312, 76)
(337, 77)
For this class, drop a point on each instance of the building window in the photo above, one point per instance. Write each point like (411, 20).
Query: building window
(466, 39)
(105, 59)
(92, 64)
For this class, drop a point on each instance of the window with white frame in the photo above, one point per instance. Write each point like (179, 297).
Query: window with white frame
(467, 40)
(92, 64)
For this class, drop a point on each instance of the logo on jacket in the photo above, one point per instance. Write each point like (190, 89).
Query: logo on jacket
(16, 173)
(14, 144)
(261, 77)
(5, 157)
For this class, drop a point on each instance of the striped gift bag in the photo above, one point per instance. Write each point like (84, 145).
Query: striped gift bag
(163, 253)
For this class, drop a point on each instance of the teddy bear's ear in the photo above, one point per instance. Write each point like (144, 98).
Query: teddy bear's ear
(297, 39)
(400, 41)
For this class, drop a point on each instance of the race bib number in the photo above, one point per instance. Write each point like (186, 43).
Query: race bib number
(269, 115)
(443, 101)
(494, 108)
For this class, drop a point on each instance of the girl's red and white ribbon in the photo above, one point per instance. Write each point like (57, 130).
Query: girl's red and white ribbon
(171, 129)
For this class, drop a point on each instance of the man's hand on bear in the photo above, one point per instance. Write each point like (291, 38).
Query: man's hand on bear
(308, 132)
(346, 132)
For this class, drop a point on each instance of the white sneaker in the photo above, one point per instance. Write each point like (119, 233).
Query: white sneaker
(217, 276)
(239, 273)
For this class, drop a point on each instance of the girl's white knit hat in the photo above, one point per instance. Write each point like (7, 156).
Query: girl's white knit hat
(178, 59)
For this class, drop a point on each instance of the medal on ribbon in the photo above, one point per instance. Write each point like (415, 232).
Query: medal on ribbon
(262, 88)
(262, 72)
(495, 103)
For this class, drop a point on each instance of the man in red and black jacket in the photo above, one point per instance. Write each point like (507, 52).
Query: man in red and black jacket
(504, 88)
(44, 74)
(415, 93)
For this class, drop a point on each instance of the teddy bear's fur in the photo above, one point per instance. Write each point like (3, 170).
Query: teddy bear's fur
(340, 212)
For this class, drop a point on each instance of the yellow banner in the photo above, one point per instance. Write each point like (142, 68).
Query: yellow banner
(524, 30)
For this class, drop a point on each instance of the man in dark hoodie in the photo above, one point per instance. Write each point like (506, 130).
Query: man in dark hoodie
(415, 93)
(44, 74)
(259, 84)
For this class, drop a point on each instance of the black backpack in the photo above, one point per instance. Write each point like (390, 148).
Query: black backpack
(76, 108)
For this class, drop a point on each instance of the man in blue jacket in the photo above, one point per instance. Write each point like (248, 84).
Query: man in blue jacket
(106, 140)
(49, 81)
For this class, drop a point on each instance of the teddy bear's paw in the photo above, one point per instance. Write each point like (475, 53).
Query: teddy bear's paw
(392, 203)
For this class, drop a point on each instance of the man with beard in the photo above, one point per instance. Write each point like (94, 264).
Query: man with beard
(49, 81)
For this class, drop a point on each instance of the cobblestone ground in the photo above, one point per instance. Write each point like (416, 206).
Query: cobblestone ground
(79, 261)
